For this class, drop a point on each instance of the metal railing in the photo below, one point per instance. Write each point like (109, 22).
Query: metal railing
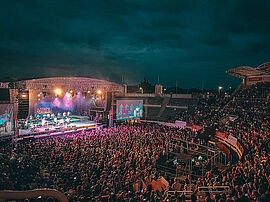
(201, 191)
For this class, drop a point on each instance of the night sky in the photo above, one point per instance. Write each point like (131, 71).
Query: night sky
(193, 42)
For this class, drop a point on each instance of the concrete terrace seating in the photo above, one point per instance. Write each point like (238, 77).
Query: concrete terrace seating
(172, 113)
(155, 101)
(153, 111)
(183, 102)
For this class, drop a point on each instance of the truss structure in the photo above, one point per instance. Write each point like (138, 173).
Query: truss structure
(66, 83)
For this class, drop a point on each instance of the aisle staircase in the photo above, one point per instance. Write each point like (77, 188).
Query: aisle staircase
(233, 94)
(164, 104)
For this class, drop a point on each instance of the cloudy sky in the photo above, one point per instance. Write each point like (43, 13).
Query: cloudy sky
(193, 42)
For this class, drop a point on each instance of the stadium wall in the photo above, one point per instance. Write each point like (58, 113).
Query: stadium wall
(256, 79)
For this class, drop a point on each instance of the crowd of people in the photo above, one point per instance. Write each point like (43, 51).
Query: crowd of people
(102, 164)
(255, 91)
(105, 164)
(250, 177)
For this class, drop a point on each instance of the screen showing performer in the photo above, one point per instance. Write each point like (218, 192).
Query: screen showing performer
(129, 109)
(6, 119)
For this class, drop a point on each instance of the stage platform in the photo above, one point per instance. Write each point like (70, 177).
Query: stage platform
(57, 130)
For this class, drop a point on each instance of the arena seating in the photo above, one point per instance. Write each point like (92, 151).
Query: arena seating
(155, 100)
(171, 113)
(120, 163)
(259, 90)
(183, 102)
(153, 112)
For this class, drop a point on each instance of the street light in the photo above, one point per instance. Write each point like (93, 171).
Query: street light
(219, 89)
(141, 89)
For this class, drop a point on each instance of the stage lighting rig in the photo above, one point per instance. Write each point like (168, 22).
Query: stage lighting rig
(57, 91)
(71, 92)
(99, 92)
(68, 95)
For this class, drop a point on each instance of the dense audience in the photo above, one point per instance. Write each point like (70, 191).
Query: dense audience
(107, 163)
(250, 177)
(90, 165)
(259, 90)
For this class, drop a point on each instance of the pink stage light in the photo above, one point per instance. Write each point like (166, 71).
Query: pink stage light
(67, 101)
(57, 102)
(68, 95)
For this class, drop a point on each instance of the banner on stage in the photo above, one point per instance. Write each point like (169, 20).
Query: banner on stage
(43, 109)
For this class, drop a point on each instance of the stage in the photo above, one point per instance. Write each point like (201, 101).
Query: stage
(56, 130)
(54, 125)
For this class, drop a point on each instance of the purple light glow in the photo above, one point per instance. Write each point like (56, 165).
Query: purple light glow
(67, 102)
(56, 103)
(75, 104)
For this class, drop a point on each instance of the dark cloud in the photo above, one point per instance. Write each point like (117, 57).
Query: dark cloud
(193, 42)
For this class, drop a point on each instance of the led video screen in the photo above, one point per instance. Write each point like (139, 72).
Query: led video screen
(129, 109)
(6, 119)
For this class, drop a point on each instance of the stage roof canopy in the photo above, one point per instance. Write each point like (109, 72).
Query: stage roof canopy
(246, 71)
(75, 83)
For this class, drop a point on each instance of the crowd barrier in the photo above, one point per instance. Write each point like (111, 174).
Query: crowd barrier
(201, 190)
(229, 140)
(225, 150)
(10, 194)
